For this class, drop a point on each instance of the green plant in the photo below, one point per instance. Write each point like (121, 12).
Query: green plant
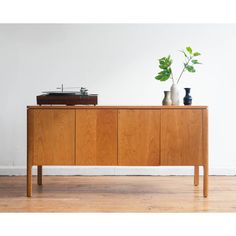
(189, 65)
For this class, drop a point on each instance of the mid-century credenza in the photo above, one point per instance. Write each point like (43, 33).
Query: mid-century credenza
(117, 136)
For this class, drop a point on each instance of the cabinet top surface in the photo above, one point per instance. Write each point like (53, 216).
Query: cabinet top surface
(114, 107)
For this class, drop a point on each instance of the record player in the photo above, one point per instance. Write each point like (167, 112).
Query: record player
(67, 96)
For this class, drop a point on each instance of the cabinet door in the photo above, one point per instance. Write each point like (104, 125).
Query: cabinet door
(138, 137)
(181, 137)
(96, 137)
(53, 137)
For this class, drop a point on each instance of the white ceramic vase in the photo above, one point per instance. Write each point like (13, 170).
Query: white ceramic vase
(174, 94)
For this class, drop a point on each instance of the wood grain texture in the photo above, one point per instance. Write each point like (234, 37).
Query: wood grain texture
(181, 137)
(118, 107)
(138, 138)
(66, 99)
(205, 151)
(118, 194)
(129, 136)
(96, 137)
(54, 137)
(205, 135)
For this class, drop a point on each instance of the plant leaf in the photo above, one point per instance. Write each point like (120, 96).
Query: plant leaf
(195, 62)
(189, 49)
(190, 69)
(197, 54)
(165, 62)
(164, 75)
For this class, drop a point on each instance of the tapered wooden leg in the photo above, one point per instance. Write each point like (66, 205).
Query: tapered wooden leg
(205, 181)
(196, 175)
(29, 180)
(40, 175)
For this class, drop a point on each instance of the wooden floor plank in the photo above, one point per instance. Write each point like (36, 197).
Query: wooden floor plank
(118, 194)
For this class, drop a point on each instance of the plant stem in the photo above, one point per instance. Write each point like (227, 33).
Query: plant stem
(184, 69)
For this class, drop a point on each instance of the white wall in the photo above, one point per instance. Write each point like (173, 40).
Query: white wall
(119, 62)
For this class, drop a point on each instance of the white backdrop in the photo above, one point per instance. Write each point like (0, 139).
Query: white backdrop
(118, 61)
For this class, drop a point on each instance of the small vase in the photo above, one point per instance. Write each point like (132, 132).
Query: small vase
(174, 94)
(188, 98)
(167, 100)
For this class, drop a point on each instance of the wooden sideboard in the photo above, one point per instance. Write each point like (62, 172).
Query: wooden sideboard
(117, 136)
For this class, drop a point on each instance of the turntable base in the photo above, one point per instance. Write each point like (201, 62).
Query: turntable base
(67, 100)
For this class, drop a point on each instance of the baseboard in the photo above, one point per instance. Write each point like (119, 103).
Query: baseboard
(110, 170)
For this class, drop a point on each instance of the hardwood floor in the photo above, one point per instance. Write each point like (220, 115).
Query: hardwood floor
(118, 194)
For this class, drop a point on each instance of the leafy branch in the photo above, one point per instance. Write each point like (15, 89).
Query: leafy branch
(166, 72)
(166, 62)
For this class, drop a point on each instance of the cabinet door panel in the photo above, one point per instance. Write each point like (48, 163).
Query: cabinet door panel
(54, 137)
(96, 137)
(138, 137)
(181, 137)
